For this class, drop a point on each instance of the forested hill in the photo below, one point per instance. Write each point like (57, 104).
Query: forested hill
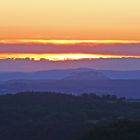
(53, 116)
(122, 130)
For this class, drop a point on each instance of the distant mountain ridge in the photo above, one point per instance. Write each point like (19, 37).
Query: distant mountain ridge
(121, 88)
(88, 75)
(70, 74)
(73, 81)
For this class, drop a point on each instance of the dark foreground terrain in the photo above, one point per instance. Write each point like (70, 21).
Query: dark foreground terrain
(123, 130)
(52, 116)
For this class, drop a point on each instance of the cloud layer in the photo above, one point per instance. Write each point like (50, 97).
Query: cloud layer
(91, 48)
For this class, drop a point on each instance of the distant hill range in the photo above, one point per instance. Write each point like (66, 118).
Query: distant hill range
(75, 81)
(82, 73)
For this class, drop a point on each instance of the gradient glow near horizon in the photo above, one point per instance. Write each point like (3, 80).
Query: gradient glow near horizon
(69, 29)
(70, 19)
(60, 50)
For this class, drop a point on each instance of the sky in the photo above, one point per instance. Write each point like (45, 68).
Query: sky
(61, 30)
(70, 19)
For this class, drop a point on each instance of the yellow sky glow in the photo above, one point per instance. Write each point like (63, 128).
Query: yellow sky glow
(58, 57)
(36, 41)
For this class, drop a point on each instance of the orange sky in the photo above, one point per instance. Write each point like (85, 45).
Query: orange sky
(69, 29)
(70, 19)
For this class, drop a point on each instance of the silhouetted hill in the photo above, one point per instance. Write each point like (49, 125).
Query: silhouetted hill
(53, 116)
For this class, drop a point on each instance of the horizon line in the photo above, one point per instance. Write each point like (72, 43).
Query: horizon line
(65, 41)
(63, 57)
